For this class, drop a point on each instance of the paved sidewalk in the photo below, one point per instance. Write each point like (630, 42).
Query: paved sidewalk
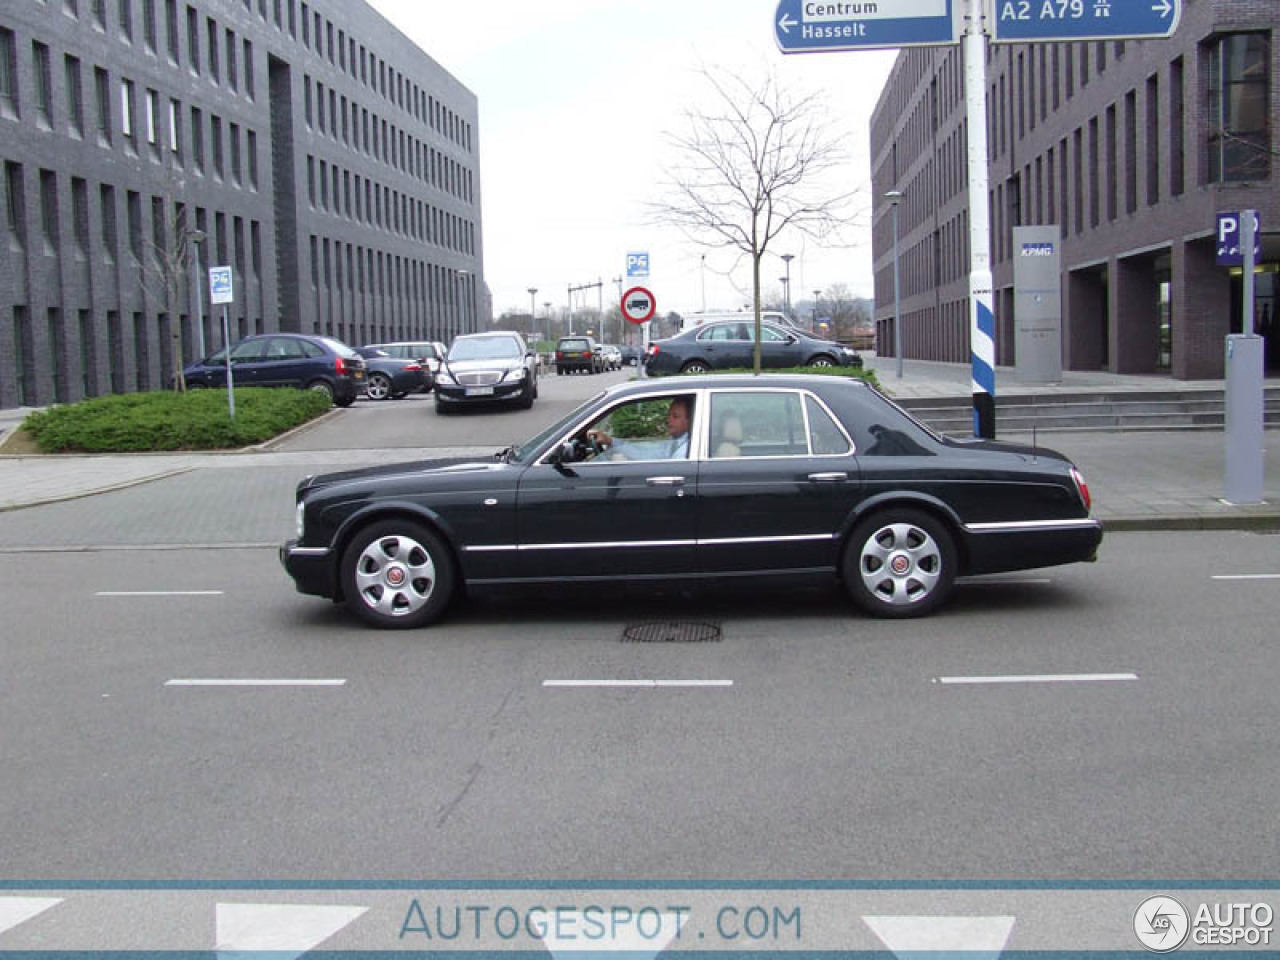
(1139, 480)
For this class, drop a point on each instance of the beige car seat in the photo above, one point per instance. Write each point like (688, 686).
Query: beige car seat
(730, 437)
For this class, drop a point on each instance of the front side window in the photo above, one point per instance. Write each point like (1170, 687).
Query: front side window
(1239, 139)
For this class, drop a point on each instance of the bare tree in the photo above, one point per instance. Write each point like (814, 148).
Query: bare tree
(754, 165)
(166, 276)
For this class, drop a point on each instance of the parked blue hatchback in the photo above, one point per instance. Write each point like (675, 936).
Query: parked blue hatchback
(299, 360)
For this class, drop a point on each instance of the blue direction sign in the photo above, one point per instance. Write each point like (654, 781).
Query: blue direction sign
(811, 26)
(1015, 21)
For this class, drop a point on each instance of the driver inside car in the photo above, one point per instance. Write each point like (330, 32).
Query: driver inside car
(674, 447)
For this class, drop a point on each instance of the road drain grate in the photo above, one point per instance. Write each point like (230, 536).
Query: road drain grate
(672, 631)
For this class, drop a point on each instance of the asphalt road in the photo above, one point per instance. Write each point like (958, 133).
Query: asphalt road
(808, 742)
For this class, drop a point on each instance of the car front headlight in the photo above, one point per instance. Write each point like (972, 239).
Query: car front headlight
(300, 519)
(445, 377)
(519, 373)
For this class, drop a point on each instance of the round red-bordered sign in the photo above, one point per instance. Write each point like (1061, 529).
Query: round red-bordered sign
(639, 305)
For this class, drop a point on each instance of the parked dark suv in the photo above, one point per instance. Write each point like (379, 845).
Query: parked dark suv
(285, 360)
(577, 353)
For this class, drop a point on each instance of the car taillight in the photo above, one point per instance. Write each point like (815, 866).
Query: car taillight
(559, 355)
(413, 366)
(653, 349)
(339, 366)
(1082, 488)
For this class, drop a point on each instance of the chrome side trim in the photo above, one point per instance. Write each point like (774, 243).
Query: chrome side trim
(796, 538)
(1012, 526)
(309, 551)
(631, 544)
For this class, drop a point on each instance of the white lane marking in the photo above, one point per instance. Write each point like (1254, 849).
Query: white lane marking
(637, 683)
(16, 910)
(1247, 576)
(978, 937)
(1006, 581)
(285, 927)
(1041, 678)
(159, 593)
(252, 682)
(644, 939)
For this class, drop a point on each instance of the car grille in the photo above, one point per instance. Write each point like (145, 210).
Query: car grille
(481, 378)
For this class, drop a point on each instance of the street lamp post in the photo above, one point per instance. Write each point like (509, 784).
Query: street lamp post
(895, 197)
(786, 294)
(533, 310)
(197, 237)
(817, 295)
(704, 283)
(786, 284)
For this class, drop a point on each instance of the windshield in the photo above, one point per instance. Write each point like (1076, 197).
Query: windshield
(525, 452)
(484, 348)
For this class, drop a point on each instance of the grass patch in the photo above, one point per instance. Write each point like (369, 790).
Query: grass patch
(196, 420)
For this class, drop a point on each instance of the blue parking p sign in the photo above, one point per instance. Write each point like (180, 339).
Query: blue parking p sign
(637, 265)
(220, 286)
(1229, 252)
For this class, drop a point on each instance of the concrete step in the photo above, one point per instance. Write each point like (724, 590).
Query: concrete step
(1106, 411)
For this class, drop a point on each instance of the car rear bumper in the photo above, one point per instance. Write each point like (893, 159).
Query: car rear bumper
(311, 568)
(998, 548)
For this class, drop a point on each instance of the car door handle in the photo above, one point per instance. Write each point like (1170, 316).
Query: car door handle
(665, 481)
(828, 477)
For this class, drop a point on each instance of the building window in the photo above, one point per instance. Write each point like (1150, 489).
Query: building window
(251, 148)
(8, 74)
(1239, 136)
(44, 83)
(102, 97)
(49, 209)
(215, 143)
(171, 26)
(75, 97)
(1175, 128)
(152, 118)
(233, 79)
(107, 204)
(175, 129)
(193, 39)
(80, 214)
(248, 69)
(125, 18)
(149, 23)
(15, 217)
(212, 48)
(126, 108)
(197, 139)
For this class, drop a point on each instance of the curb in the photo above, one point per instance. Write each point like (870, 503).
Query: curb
(1245, 522)
(81, 494)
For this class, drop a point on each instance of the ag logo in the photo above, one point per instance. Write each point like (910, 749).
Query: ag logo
(1161, 923)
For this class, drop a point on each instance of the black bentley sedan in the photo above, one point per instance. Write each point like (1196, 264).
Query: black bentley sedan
(705, 478)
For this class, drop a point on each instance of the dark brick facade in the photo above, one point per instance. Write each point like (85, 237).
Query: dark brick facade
(327, 159)
(1110, 141)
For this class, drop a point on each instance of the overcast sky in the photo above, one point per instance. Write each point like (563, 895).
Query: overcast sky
(575, 97)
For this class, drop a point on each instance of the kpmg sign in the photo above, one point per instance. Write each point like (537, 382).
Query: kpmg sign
(1037, 304)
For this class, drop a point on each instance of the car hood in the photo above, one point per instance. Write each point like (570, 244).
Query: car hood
(389, 471)
(456, 367)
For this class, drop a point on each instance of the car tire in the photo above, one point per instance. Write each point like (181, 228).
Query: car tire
(397, 574)
(696, 366)
(321, 386)
(822, 360)
(378, 387)
(441, 408)
(899, 563)
(345, 402)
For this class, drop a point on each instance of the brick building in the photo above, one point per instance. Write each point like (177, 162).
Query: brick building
(1130, 149)
(321, 154)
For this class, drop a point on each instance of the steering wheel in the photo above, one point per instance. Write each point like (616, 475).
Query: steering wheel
(587, 447)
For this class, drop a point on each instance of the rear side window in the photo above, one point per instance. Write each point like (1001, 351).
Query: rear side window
(825, 437)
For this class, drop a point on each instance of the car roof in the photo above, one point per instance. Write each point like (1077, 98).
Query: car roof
(487, 334)
(791, 381)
